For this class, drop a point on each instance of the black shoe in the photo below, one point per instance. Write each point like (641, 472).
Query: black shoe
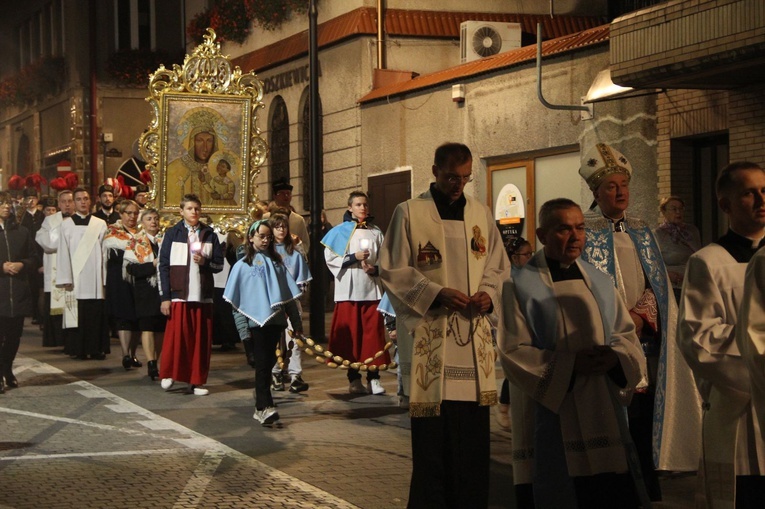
(98, 356)
(2, 387)
(298, 385)
(153, 370)
(10, 381)
(135, 363)
(127, 362)
(277, 382)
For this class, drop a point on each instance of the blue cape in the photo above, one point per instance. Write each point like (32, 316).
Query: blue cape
(258, 291)
(296, 264)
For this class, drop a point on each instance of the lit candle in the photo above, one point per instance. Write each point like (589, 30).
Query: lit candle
(364, 244)
(196, 247)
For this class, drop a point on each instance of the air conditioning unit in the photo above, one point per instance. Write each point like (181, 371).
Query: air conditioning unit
(479, 39)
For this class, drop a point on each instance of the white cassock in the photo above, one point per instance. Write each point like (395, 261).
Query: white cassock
(351, 282)
(47, 237)
(89, 283)
(712, 296)
(750, 333)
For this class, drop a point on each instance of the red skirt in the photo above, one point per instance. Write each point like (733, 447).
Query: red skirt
(358, 332)
(188, 343)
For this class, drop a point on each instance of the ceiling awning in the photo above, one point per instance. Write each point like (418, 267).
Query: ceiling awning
(604, 89)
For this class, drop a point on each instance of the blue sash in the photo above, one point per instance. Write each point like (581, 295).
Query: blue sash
(599, 250)
(337, 238)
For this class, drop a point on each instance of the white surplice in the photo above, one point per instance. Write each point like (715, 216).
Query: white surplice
(712, 296)
(89, 283)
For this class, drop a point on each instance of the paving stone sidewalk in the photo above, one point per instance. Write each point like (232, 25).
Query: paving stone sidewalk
(67, 443)
(88, 434)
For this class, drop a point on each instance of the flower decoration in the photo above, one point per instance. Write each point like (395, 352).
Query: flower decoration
(232, 19)
(34, 82)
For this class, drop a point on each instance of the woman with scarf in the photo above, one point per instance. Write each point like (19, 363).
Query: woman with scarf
(119, 292)
(677, 240)
(263, 295)
(141, 260)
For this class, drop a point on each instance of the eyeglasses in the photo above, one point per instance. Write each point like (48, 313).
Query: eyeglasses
(280, 227)
(457, 179)
(131, 213)
(263, 237)
(527, 255)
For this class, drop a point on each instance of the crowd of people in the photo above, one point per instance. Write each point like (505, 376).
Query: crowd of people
(619, 343)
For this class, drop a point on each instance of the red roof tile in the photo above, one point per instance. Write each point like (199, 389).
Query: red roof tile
(400, 22)
(563, 44)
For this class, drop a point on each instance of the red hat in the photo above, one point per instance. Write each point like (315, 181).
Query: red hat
(67, 181)
(16, 183)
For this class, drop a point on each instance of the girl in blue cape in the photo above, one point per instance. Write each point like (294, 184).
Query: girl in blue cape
(293, 257)
(263, 295)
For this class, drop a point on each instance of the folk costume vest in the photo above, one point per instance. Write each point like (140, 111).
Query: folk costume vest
(424, 338)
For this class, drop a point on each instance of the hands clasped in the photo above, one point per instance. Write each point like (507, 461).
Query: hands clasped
(455, 299)
(597, 360)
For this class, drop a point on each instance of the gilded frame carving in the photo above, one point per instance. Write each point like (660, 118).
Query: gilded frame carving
(202, 112)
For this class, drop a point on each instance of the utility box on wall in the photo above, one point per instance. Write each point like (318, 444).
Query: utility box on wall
(479, 39)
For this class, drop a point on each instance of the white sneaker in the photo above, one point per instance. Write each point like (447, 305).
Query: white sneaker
(267, 416)
(166, 383)
(375, 387)
(201, 391)
(356, 387)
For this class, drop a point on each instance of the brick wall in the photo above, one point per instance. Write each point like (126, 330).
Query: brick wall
(746, 113)
(658, 44)
(684, 114)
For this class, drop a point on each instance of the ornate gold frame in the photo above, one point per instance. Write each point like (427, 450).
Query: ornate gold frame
(205, 80)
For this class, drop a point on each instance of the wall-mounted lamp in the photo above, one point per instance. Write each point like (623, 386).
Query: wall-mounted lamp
(458, 93)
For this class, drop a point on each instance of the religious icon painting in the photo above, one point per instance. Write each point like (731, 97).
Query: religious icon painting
(478, 243)
(203, 138)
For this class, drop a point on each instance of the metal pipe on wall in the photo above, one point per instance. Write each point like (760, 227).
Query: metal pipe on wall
(380, 36)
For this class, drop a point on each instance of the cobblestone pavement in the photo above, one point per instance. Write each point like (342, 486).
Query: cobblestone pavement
(88, 434)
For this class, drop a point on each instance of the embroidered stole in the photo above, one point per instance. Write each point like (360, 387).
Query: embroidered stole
(428, 336)
(79, 260)
(600, 252)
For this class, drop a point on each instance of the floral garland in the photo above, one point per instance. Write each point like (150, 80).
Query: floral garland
(232, 19)
(34, 82)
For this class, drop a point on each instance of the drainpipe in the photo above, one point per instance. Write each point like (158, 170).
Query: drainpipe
(93, 101)
(587, 108)
(380, 40)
